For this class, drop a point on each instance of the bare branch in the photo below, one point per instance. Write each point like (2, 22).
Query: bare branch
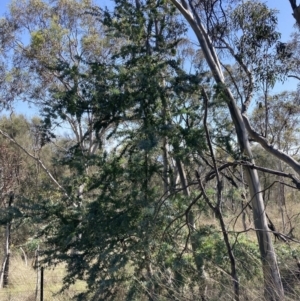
(270, 231)
(41, 164)
(211, 148)
(294, 76)
(270, 148)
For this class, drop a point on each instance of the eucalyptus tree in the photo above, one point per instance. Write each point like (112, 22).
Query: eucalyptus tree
(244, 31)
(62, 38)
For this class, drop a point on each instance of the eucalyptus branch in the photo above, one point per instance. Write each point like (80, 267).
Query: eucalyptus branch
(73, 125)
(295, 180)
(209, 176)
(270, 231)
(294, 76)
(270, 148)
(41, 164)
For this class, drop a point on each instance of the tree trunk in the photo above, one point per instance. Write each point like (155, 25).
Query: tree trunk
(36, 266)
(4, 274)
(272, 280)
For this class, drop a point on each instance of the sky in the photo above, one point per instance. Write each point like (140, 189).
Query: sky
(285, 26)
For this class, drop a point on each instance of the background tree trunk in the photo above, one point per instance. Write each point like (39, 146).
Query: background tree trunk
(4, 275)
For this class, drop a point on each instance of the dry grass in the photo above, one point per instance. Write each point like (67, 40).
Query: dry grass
(23, 282)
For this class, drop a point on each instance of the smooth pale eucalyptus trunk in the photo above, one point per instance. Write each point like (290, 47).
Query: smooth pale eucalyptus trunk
(272, 281)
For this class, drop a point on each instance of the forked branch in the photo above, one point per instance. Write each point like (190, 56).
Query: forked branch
(270, 148)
